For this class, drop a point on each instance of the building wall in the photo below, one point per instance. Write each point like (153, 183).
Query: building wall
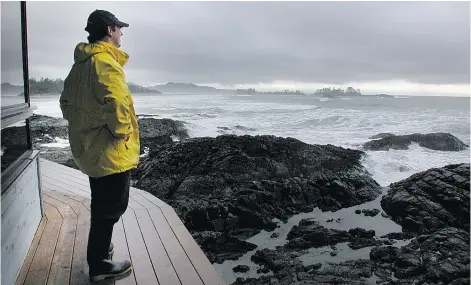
(21, 214)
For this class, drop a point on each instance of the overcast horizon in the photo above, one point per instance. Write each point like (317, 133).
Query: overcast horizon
(401, 48)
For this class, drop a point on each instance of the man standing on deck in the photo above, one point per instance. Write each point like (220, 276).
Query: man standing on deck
(103, 134)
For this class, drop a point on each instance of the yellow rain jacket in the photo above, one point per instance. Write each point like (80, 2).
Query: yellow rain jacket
(96, 102)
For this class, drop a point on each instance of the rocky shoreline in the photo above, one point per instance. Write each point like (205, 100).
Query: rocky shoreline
(229, 188)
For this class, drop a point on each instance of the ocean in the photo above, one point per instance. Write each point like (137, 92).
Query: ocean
(346, 122)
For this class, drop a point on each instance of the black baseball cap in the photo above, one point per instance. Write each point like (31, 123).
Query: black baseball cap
(100, 19)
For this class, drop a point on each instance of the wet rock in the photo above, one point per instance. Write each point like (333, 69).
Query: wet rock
(399, 236)
(361, 233)
(241, 268)
(435, 141)
(230, 183)
(431, 200)
(357, 211)
(310, 233)
(290, 271)
(381, 136)
(438, 257)
(263, 270)
(219, 246)
(370, 212)
(384, 254)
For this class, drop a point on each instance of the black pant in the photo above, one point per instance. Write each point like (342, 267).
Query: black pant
(110, 197)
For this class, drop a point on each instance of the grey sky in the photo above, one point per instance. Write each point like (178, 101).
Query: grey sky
(247, 43)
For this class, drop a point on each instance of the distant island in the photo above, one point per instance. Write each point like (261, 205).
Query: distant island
(252, 91)
(55, 86)
(332, 92)
(135, 88)
(49, 86)
(324, 92)
(188, 88)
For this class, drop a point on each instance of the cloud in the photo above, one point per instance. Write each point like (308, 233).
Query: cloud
(245, 43)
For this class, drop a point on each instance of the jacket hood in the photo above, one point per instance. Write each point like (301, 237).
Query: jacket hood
(84, 50)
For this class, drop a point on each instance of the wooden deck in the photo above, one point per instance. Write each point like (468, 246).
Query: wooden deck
(150, 234)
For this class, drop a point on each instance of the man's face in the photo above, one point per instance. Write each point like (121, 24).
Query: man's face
(115, 36)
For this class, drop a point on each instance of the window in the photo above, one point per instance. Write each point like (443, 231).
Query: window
(16, 109)
(14, 143)
(12, 55)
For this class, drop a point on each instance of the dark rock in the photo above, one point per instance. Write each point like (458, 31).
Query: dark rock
(435, 141)
(263, 270)
(310, 234)
(219, 246)
(460, 281)
(274, 260)
(399, 236)
(430, 200)
(383, 214)
(360, 238)
(288, 270)
(312, 267)
(381, 136)
(241, 268)
(330, 220)
(333, 253)
(364, 242)
(275, 235)
(244, 182)
(438, 257)
(370, 212)
(384, 254)
(358, 211)
(45, 129)
(361, 233)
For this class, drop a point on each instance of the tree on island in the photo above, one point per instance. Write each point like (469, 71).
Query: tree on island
(333, 92)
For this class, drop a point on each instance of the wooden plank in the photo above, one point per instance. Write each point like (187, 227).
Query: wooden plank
(51, 212)
(185, 270)
(32, 251)
(51, 164)
(60, 175)
(49, 188)
(64, 209)
(62, 260)
(154, 200)
(199, 260)
(79, 265)
(160, 261)
(183, 266)
(142, 265)
(79, 272)
(78, 203)
(171, 216)
(121, 251)
(42, 260)
(57, 186)
(73, 187)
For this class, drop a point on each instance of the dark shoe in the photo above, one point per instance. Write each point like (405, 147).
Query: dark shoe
(108, 269)
(111, 251)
